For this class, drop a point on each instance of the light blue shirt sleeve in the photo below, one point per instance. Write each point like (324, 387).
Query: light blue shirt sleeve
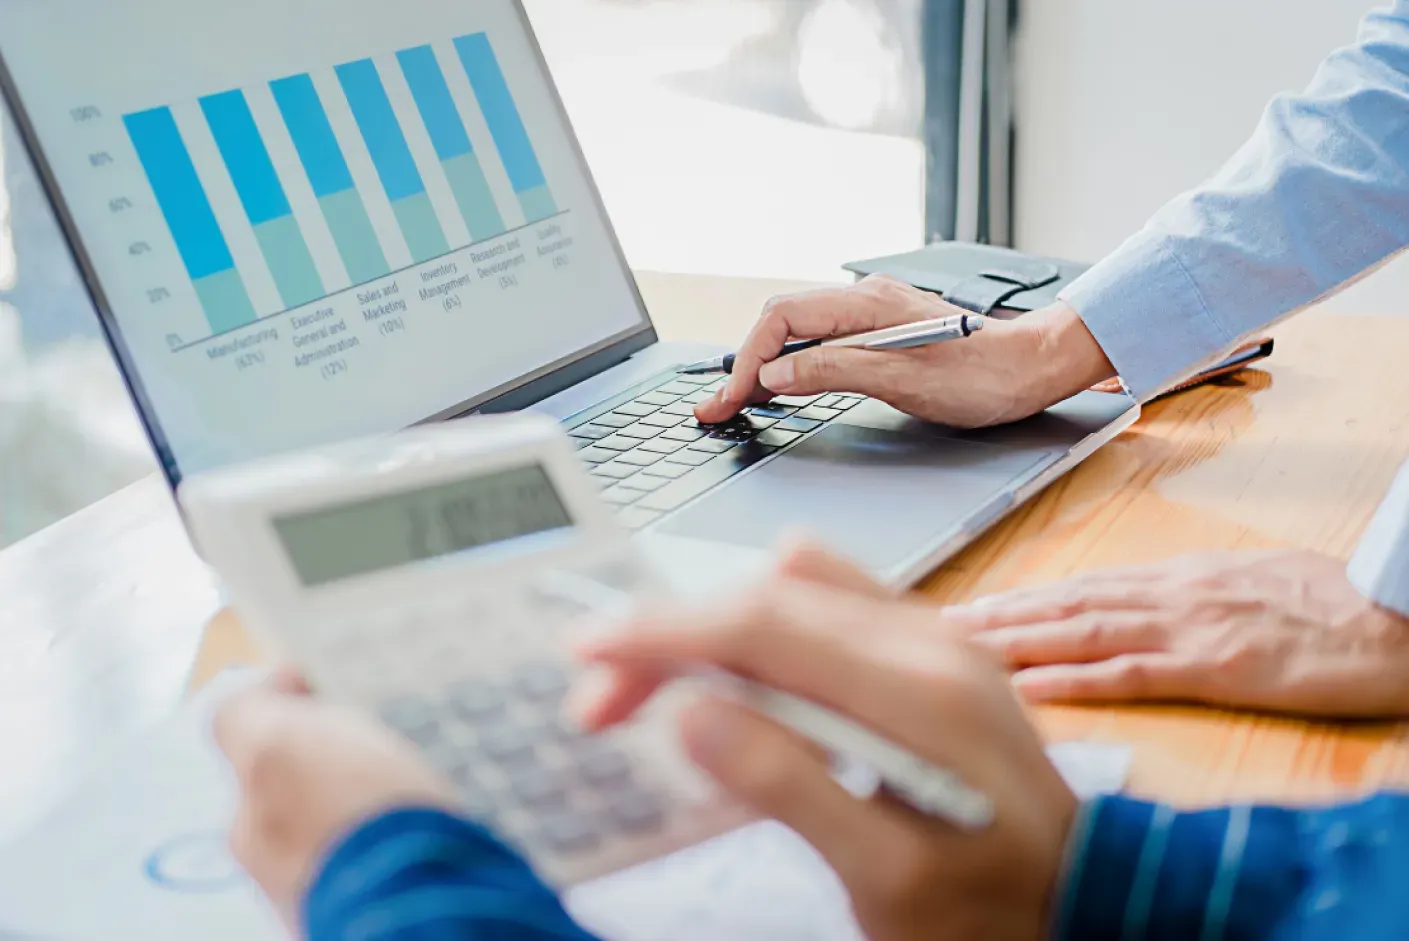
(1318, 197)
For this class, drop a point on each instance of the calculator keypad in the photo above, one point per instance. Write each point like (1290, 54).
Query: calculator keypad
(490, 675)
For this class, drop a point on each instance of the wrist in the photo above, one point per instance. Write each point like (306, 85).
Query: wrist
(1069, 358)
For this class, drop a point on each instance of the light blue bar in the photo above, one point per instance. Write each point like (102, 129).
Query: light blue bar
(500, 112)
(433, 100)
(354, 235)
(245, 156)
(473, 195)
(538, 203)
(419, 224)
(225, 301)
(179, 192)
(290, 261)
(312, 133)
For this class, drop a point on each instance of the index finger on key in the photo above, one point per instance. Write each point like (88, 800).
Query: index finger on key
(824, 312)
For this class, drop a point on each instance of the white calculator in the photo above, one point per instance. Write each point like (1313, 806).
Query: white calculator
(436, 578)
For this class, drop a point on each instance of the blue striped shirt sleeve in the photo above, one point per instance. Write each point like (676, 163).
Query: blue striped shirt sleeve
(1145, 872)
(425, 875)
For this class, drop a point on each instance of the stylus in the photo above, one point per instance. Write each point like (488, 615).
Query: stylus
(905, 336)
(926, 787)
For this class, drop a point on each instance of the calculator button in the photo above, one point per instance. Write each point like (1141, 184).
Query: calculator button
(661, 446)
(801, 425)
(659, 399)
(569, 834)
(614, 420)
(637, 409)
(542, 681)
(412, 718)
(639, 458)
(604, 768)
(475, 700)
(596, 455)
(636, 812)
(818, 413)
(615, 470)
(538, 790)
(507, 746)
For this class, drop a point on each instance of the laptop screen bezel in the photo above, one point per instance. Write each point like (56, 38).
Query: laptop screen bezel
(519, 393)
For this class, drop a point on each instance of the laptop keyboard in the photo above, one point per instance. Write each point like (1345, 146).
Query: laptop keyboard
(652, 456)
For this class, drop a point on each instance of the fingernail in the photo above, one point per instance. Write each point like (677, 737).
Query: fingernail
(712, 730)
(778, 375)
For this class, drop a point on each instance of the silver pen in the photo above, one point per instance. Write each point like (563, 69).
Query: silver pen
(904, 337)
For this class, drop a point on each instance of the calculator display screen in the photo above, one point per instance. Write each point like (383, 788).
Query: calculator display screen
(402, 528)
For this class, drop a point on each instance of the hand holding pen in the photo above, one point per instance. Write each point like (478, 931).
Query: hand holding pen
(1006, 371)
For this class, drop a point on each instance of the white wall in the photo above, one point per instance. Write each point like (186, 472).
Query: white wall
(1125, 103)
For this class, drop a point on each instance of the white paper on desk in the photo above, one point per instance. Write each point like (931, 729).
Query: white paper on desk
(139, 853)
(139, 850)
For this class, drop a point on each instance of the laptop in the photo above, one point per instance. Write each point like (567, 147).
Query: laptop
(304, 222)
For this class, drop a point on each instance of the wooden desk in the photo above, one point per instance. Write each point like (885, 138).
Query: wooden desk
(101, 616)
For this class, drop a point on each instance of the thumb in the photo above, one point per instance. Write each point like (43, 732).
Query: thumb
(830, 369)
(780, 776)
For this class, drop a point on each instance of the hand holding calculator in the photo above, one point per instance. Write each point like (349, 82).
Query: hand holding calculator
(436, 578)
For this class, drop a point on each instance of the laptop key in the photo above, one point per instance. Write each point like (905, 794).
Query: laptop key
(661, 445)
(713, 445)
(693, 458)
(695, 398)
(798, 424)
(700, 479)
(683, 433)
(639, 458)
(773, 438)
(668, 470)
(595, 455)
(695, 380)
(592, 432)
(618, 443)
(677, 388)
(682, 408)
(829, 401)
(622, 496)
(818, 413)
(772, 411)
(613, 420)
(801, 401)
(644, 483)
(615, 470)
(662, 420)
(657, 398)
(637, 409)
(633, 517)
(639, 432)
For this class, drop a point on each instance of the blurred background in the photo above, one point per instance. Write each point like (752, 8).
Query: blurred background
(773, 138)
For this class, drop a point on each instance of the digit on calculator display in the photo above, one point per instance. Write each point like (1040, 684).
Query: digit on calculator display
(402, 528)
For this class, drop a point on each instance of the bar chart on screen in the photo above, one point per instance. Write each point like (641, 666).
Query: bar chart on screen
(299, 188)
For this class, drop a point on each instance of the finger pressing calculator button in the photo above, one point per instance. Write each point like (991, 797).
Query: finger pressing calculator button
(476, 700)
(604, 768)
(569, 834)
(507, 745)
(539, 789)
(637, 812)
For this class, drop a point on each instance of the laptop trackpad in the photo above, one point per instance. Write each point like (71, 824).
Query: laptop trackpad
(878, 496)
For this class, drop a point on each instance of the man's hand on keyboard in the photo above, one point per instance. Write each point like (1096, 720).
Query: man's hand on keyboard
(1009, 371)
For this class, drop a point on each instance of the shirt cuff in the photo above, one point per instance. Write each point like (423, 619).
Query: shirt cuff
(425, 873)
(1142, 871)
(1144, 309)
(1380, 566)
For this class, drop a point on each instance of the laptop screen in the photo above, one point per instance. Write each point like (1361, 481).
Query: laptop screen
(307, 220)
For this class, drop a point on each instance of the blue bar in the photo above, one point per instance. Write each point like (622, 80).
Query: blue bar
(437, 107)
(179, 192)
(377, 121)
(245, 156)
(500, 112)
(312, 135)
